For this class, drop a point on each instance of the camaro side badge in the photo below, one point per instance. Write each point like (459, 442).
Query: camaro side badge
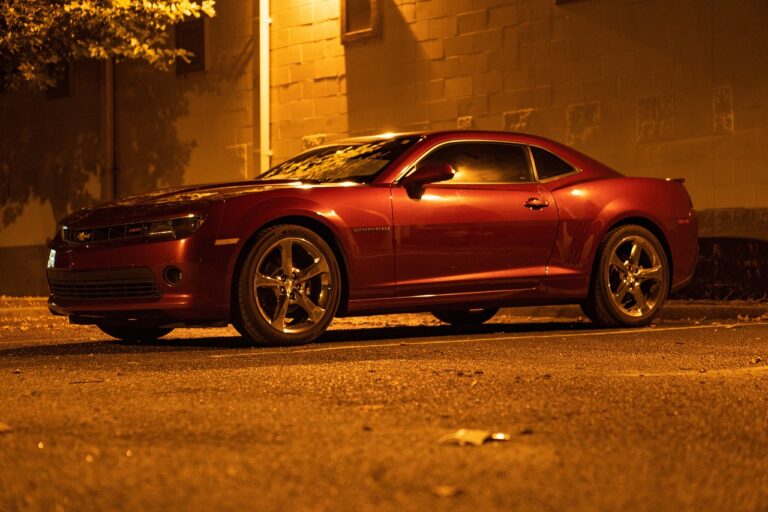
(367, 230)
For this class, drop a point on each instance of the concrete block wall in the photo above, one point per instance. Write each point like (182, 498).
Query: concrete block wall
(308, 76)
(51, 162)
(194, 128)
(171, 130)
(650, 87)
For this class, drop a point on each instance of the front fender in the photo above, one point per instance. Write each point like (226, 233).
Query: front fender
(359, 218)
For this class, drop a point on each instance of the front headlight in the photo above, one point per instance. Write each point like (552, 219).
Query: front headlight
(174, 229)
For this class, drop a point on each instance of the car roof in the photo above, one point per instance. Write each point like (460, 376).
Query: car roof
(458, 134)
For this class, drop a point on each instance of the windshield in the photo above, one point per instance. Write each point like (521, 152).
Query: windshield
(359, 162)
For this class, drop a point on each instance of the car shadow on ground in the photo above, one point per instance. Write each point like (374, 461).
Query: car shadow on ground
(343, 335)
(395, 333)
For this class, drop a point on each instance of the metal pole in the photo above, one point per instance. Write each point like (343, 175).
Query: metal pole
(109, 188)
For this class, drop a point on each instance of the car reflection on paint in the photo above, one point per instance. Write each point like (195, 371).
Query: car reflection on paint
(456, 223)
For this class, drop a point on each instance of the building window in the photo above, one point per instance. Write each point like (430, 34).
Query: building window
(190, 35)
(360, 19)
(62, 76)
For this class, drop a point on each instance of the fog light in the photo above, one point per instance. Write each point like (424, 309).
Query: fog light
(172, 275)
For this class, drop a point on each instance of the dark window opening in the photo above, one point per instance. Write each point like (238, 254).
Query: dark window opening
(484, 162)
(360, 19)
(190, 36)
(548, 165)
(61, 75)
(358, 15)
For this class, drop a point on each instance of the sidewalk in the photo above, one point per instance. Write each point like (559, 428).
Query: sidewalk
(673, 310)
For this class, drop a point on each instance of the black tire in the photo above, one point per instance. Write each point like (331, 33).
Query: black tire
(630, 279)
(137, 334)
(465, 316)
(287, 301)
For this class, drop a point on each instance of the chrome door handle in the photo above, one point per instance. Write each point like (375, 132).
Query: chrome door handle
(534, 203)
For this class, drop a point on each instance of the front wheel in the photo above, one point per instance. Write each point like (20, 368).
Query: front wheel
(465, 316)
(631, 279)
(137, 334)
(288, 289)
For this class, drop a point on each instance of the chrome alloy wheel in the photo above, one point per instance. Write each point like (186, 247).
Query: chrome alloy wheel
(635, 276)
(292, 285)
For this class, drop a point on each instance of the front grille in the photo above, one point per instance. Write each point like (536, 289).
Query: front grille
(129, 283)
(104, 233)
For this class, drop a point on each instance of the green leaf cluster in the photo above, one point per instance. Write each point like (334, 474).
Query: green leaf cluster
(36, 36)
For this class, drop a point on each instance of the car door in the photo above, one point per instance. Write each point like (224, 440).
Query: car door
(491, 227)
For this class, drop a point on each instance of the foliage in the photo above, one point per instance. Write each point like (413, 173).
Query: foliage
(36, 36)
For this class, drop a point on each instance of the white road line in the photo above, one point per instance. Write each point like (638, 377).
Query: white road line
(50, 340)
(257, 352)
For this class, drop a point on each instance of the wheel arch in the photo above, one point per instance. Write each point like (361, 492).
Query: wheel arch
(310, 223)
(643, 222)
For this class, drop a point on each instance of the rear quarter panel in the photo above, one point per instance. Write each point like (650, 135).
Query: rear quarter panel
(588, 210)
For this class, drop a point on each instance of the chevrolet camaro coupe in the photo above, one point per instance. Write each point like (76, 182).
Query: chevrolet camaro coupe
(456, 223)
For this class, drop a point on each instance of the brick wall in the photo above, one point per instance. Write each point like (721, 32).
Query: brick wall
(651, 87)
(194, 128)
(171, 130)
(308, 75)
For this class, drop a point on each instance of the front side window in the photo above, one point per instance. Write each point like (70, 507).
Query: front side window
(484, 162)
(359, 162)
(548, 165)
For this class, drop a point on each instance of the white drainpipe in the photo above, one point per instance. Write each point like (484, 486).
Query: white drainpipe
(265, 151)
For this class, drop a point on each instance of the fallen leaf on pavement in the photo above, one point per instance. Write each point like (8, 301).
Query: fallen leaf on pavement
(446, 491)
(472, 437)
(755, 360)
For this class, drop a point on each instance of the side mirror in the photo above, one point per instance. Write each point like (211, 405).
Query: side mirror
(425, 174)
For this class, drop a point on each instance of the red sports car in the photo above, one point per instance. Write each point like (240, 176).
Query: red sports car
(457, 223)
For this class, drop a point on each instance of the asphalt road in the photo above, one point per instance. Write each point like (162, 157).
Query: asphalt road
(672, 417)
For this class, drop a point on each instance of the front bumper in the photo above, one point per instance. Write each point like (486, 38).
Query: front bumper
(119, 282)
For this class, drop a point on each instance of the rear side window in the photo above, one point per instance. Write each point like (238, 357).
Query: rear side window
(548, 165)
(484, 162)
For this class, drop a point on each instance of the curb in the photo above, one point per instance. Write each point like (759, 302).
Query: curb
(673, 310)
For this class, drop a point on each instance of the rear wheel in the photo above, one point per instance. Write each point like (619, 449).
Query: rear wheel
(475, 316)
(631, 279)
(135, 333)
(288, 289)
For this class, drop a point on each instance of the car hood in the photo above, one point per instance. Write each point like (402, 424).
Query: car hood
(167, 202)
